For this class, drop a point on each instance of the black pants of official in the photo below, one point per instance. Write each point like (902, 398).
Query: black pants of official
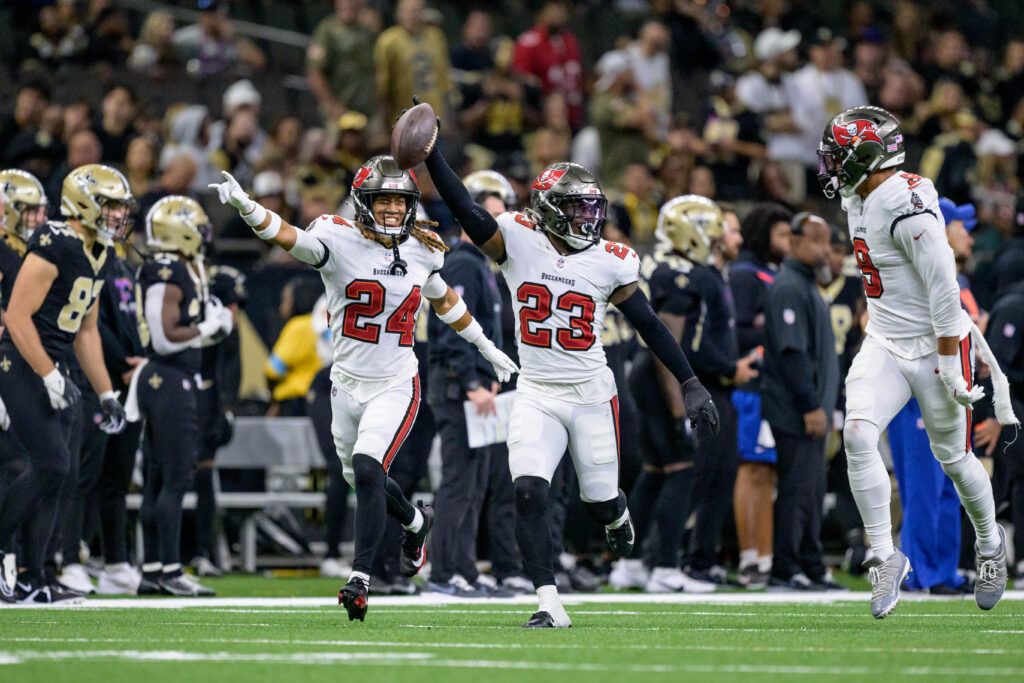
(33, 497)
(798, 504)
(715, 480)
(458, 501)
(167, 400)
(319, 411)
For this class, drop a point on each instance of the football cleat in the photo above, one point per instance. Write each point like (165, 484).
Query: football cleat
(334, 568)
(414, 545)
(352, 597)
(204, 567)
(673, 580)
(797, 582)
(184, 586)
(752, 578)
(456, 586)
(991, 581)
(149, 585)
(886, 578)
(518, 584)
(715, 574)
(119, 580)
(620, 539)
(75, 578)
(628, 574)
(50, 594)
(540, 620)
(400, 585)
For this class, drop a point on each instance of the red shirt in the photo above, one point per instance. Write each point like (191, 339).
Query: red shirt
(555, 60)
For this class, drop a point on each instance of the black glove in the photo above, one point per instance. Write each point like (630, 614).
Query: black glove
(221, 431)
(699, 404)
(113, 415)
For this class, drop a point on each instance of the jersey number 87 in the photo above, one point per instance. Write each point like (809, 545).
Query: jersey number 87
(83, 292)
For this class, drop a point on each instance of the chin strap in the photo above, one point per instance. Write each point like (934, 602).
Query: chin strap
(398, 265)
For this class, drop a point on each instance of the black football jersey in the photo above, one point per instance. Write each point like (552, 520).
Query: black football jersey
(168, 269)
(700, 294)
(845, 299)
(10, 262)
(228, 285)
(80, 276)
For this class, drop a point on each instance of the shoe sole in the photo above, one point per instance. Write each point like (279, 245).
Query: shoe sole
(350, 603)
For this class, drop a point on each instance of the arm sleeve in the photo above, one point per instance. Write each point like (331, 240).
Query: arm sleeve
(933, 260)
(154, 319)
(641, 316)
(310, 249)
(474, 219)
(800, 379)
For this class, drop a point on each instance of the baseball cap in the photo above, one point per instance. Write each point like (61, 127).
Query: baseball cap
(240, 93)
(772, 42)
(951, 212)
(267, 183)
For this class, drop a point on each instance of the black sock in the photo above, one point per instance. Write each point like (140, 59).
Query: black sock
(532, 530)
(206, 513)
(337, 511)
(673, 508)
(399, 506)
(371, 510)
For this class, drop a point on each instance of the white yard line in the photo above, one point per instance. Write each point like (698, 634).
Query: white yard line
(573, 599)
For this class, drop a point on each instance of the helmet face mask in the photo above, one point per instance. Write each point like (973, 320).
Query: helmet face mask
(855, 144)
(570, 204)
(24, 202)
(381, 176)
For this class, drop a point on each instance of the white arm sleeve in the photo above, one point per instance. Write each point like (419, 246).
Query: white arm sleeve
(154, 319)
(435, 287)
(309, 249)
(933, 260)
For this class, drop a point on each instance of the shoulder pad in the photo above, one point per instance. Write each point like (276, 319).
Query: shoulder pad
(510, 217)
(617, 249)
(913, 194)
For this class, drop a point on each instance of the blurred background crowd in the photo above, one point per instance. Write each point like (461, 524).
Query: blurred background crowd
(722, 98)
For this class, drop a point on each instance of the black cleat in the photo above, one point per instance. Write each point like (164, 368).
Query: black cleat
(150, 585)
(540, 620)
(47, 594)
(620, 540)
(353, 597)
(414, 545)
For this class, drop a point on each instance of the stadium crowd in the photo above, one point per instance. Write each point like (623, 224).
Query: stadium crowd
(725, 100)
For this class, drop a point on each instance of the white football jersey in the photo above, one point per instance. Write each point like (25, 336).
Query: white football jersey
(372, 312)
(560, 300)
(908, 268)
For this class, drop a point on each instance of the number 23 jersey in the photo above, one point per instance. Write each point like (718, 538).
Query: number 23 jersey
(560, 300)
(372, 311)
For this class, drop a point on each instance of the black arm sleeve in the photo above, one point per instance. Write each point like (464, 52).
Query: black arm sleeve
(748, 298)
(641, 316)
(474, 219)
(800, 380)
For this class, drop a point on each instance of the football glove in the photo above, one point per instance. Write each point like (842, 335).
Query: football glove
(952, 377)
(699, 404)
(230, 192)
(63, 392)
(217, 322)
(5, 419)
(504, 368)
(113, 421)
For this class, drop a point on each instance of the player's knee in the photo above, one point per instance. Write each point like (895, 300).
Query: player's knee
(860, 438)
(607, 511)
(366, 472)
(956, 468)
(599, 486)
(531, 494)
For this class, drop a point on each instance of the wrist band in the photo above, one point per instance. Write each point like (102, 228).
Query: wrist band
(108, 394)
(949, 366)
(473, 333)
(255, 217)
(270, 232)
(453, 315)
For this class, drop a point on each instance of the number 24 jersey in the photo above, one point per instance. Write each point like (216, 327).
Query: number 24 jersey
(560, 300)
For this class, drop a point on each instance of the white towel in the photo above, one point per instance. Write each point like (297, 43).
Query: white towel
(1000, 385)
(131, 402)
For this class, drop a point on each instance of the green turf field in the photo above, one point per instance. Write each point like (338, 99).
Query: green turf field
(308, 639)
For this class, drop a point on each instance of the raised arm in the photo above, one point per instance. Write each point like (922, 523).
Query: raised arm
(474, 219)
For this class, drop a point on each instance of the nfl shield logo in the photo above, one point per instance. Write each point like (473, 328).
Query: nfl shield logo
(1009, 329)
(560, 262)
(334, 390)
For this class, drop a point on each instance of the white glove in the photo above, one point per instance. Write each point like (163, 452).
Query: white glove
(5, 419)
(217, 321)
(230, 192)
(63, 392)
(950, 372)
(504, 368)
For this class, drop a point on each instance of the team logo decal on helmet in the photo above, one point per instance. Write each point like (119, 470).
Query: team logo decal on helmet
(856, 132)
(568, 202)
(549, 177)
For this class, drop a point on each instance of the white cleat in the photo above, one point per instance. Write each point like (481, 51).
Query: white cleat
(991, 581)
(673, 580)
(334, 568)
(628, 574)
(119, 579)
(885, 578)
(75, 577)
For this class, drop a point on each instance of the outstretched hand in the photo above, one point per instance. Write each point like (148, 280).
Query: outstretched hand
(699, 404)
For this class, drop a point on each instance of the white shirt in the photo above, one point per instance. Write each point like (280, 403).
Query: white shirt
(814, 98)
(907, 265)
(559, 303)
(372, 312)
(761, 96)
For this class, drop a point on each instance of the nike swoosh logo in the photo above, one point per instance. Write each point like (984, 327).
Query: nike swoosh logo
(917, 237)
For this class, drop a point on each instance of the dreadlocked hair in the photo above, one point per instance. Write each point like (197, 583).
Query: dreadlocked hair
(427, 238)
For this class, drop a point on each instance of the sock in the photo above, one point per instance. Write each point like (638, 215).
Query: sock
(748, 558)
(151, 569)
(173, 569)
(764, 563)
(399, 506)
(548, 601)
(371, 511)
(975, 491)
(620, 521)
(362, 576)
(417, 522)
(869, 483)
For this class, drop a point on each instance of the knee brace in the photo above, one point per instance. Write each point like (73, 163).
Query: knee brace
(607, 511)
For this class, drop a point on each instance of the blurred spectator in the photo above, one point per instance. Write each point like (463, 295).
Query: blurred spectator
(177, 178)
(950, 160)
(339, 62)
(154, 52)
(635, 213)
(702, 182)
(1010, 77)
(674, 174)
(333, 168)
(499, 108)
(817, 92)
(83, 148)
(140, 164)
(1010, 262)
(870, 54)
(623, 116)
(115, 127)
(995, 176)
(733, 137)
(210, 47)
(549, 52)
(649, 60)
(294, 362)
(61, 36)
(472, 56)
(239, 138)
(546, 147)
(951, 60)
(77, 116)
(30, 101)
(283, 145)
(268, 190)
(773, 186)
(189, 133)
(109, 31)
(901, 89)
(52, 122)
(411, 58)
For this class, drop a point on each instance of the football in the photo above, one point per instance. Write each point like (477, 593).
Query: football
(414, 135)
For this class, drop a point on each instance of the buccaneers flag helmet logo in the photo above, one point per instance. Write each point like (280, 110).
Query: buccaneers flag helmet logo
(548, 178)
(855, 132)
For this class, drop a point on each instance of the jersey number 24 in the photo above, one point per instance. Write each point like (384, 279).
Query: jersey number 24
(368, 297)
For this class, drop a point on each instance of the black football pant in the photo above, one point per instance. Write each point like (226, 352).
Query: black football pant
(33, 496)
(167, 400)
(717, 460)
(801, 494)
(319, 410)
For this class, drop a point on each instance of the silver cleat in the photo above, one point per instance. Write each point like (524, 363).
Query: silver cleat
(886, 578)
(991, 581)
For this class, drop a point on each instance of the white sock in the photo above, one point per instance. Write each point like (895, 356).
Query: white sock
(360, 575)
(748, 557)
(975, 491)
(869, 483)
(621, 520)
(172, 568)
(417, 522)
(764, 563)
(151, 567)
(547, 597)
(118, 567)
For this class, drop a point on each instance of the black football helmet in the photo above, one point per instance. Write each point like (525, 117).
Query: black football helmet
(567, 195)
(856, 143)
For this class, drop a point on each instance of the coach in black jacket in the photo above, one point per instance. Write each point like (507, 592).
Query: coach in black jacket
(800, 384)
